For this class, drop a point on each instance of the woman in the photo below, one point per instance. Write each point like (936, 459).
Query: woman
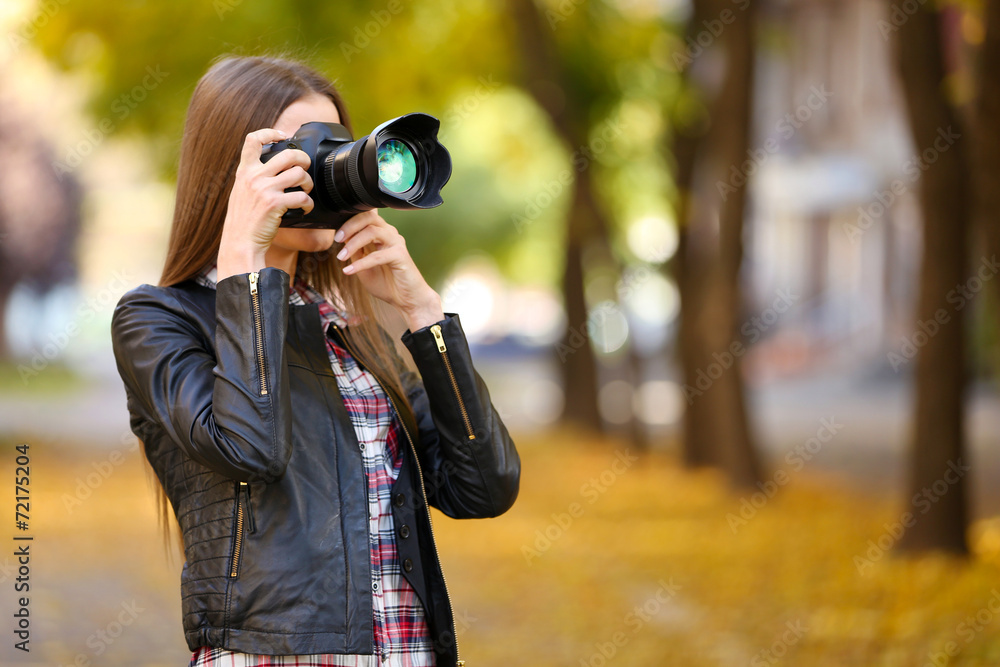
(297, 452)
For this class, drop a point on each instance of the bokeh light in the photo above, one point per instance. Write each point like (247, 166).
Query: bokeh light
(653, 239)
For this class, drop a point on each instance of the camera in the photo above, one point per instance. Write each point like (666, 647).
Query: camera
(399, 165)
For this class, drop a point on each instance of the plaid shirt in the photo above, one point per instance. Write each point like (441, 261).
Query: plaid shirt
(402, 637)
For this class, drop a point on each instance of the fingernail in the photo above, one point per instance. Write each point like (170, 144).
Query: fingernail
(339, 236)
(349, 268)
(342, 255)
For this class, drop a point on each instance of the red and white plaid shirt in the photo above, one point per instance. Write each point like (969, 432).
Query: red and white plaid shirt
(402, 636)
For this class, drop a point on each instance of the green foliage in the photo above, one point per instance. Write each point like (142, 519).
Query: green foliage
(503, 159)
(386, 57)
(456, 60)
(19, 379)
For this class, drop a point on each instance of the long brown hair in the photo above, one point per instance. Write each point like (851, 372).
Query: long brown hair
(236, 96)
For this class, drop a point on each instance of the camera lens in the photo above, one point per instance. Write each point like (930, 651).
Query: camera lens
(400, 165)
(397, 167)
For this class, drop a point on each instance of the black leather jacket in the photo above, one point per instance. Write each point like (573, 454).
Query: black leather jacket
(232, 393)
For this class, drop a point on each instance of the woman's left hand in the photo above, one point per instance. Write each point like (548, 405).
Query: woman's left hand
(380, 260)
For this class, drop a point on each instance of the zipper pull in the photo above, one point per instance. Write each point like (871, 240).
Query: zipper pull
(252, 523)
(253, 282)
(436, 330)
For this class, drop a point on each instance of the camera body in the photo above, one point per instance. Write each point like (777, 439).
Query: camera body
(399, 165)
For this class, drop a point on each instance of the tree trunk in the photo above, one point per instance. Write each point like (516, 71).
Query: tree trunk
(938, 450)
(576, 358)
(738, 449)
(699, 439)
(688, 142)
(586, 226)
(717, 428)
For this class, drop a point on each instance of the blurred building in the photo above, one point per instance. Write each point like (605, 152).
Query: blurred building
(834, 220)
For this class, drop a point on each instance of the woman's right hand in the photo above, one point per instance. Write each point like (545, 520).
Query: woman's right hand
(258, 200)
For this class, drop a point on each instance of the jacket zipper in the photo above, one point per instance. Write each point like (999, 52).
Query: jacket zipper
(242, 487)
(436, 330)
(423, 491)
(241, 516)
(259, 329)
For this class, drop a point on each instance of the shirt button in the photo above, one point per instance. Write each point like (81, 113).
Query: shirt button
(362, 446)
(400, 499)
(375, 586)
(404, 531)
(408, 565)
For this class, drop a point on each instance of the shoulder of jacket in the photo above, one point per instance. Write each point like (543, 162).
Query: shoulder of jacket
(183, 298)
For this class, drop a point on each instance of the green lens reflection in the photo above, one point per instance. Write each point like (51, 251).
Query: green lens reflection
(397, 167)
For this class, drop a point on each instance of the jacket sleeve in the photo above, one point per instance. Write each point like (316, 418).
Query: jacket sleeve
(470, 464)
(229, 411)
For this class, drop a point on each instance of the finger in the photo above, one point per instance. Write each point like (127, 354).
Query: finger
(297, 199)
(370, 234)
(296, 176)
(286, 159)
(356, 223)
(254, 142)
(382, 257)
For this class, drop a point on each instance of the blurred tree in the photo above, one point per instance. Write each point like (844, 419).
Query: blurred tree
(39, 215)
(585, 223)
(564, 68)
(939, 449)
(710, 211)
(690, 122)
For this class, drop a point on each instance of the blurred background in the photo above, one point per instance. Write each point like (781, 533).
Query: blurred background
(727, 266)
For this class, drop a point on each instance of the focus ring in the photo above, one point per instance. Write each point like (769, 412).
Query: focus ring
(354, 173)
(330, 183)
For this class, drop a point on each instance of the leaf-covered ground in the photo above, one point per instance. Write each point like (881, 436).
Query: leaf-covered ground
(654, 570)
(606, 558)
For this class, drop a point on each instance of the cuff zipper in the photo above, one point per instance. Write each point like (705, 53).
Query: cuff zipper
(436, 330)
(259, 331)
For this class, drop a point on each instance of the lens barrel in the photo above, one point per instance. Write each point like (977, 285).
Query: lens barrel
(400, 165)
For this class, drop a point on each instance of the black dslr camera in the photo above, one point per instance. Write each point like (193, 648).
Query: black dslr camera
(399, 165)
